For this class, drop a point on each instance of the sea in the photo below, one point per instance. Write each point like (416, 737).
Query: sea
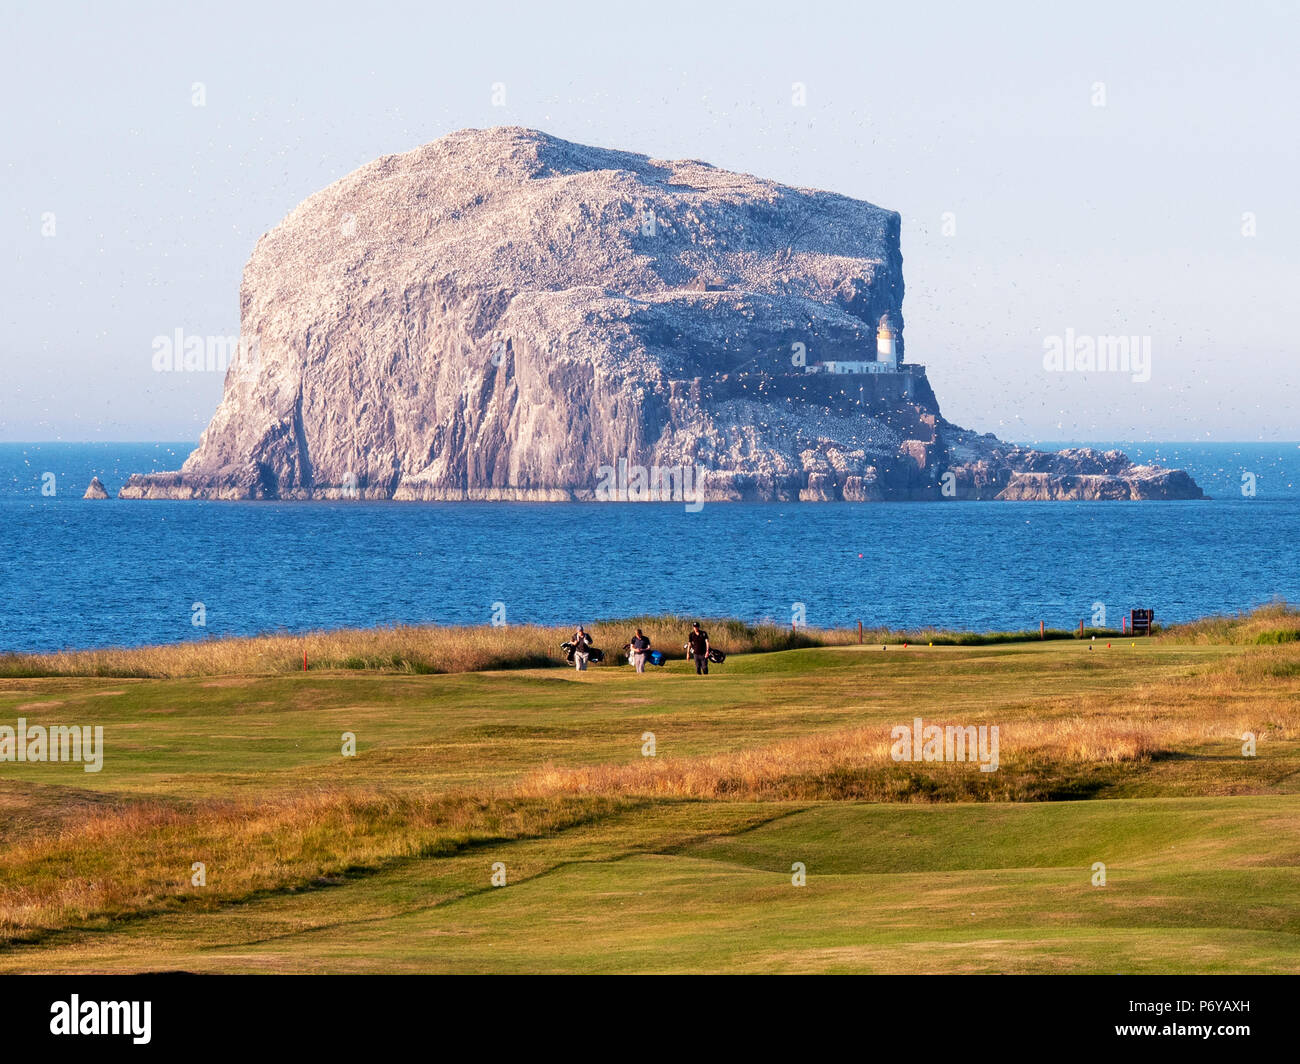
(86, 574)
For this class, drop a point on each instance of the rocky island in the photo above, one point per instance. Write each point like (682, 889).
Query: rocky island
(502, 314)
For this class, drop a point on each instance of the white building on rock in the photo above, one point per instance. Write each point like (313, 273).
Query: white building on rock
(886, 349)
(886, 360)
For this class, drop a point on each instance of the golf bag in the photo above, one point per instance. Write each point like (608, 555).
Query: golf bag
(652, 657)
(717, 656)
(594, 654)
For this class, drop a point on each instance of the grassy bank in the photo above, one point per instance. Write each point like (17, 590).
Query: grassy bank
(413, 649)
(429, 649)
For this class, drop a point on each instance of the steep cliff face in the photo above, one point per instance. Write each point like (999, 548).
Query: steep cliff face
(503, 314)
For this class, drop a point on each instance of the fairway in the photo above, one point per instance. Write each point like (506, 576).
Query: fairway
(511, 820)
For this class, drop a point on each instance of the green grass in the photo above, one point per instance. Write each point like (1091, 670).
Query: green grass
(382, 862)
(707, 887)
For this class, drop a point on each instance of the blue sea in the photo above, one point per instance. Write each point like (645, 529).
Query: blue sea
(90, 574)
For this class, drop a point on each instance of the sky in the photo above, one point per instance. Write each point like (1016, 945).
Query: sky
(1064, 173)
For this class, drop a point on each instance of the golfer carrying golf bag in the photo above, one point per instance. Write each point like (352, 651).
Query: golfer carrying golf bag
(637, 650)
(697, 643)
(581, 649)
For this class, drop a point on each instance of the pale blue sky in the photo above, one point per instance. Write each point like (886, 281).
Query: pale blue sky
(1118, 219)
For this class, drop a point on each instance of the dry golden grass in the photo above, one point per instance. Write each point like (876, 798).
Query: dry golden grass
(1275, 623)
(434, 649)
(854, 764)
(140, 858)
(403, 648)
(1258, 692)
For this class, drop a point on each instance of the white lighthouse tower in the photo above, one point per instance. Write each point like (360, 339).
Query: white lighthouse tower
(886, 350)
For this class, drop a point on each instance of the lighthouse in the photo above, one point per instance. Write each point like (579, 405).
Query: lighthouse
(886, 351)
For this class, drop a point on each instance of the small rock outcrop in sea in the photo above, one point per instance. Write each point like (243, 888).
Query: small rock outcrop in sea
(502, 314)
(95, 490)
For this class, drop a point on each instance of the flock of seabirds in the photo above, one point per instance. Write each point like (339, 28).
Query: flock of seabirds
(578, 651)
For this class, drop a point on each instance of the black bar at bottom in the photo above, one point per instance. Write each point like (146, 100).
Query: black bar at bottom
(331, 1014)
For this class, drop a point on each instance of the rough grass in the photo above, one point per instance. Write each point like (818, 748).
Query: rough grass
(1049, 757)
(427, 649)
(1275, 623)
(140, 859)
(404, 649)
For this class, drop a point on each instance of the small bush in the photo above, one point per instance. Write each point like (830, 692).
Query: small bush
(1278, 635)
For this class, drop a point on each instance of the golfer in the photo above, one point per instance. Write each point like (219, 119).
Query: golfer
(639, 647)
(581, 649)
(697, 643)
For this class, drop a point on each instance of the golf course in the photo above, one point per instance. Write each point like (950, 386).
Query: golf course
(456, 800)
